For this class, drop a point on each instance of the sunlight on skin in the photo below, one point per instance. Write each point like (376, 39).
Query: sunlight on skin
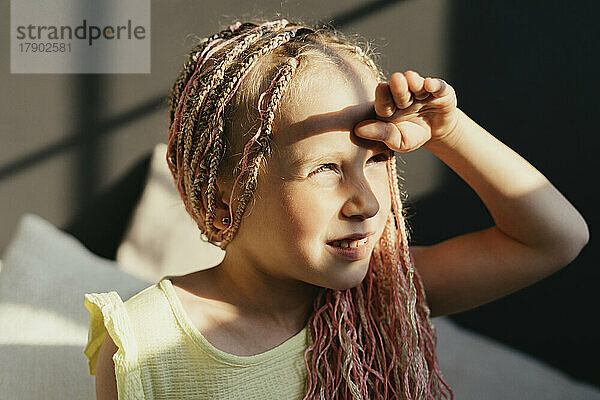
(537, 230)
(281, 246)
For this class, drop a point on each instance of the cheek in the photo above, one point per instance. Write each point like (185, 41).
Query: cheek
(385, 198)
(379, 184)
(309, 213)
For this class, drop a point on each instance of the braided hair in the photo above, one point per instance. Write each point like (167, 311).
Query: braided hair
(374, 340)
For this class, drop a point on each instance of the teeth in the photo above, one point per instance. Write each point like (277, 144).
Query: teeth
(350, 243)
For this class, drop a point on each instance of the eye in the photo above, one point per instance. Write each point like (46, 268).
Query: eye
(381, 157)
(324, 167)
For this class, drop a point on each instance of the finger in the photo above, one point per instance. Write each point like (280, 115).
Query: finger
(384, 102)
(402, 137)
(399, 88)
(437, 87)
(381, 131)
(416, 84)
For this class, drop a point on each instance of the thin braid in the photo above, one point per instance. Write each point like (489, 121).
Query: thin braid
(216, 77)
(262, 138)
(196, 60)
(179, 98)
(214, 43)
(375, 340)
(189, 99)
(219, 73)
(427, 328)
(220, 105)
(211, 231)
(416, 367)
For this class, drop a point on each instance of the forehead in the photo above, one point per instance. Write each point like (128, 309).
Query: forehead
(322, 116)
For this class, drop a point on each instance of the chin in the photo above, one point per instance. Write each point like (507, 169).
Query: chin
(348, 278)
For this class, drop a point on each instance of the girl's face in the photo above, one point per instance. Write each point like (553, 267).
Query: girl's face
(321, 183)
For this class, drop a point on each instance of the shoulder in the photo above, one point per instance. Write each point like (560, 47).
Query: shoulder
(201, 300)
(106, 383)
(193, 294)
(196, 286)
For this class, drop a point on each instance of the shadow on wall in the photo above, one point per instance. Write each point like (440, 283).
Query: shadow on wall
(527, 72)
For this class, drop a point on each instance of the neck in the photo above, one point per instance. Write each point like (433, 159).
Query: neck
(260, 295)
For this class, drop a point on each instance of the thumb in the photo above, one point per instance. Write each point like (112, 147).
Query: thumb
(381, 131)
(402, 136)
(413, 136)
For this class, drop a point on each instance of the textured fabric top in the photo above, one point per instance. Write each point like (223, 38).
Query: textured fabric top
(161, 354)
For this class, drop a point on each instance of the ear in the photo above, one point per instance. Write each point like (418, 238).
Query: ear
(221, 202)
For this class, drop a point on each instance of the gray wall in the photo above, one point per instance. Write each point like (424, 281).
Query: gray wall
(45, 172)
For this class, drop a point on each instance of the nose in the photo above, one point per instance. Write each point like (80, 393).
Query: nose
(362, 202)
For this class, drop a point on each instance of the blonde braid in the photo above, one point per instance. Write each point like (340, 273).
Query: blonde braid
(184, 92)
(218, 74)
(220, 104)
(262, 137)
(189, 68)
(216, 77)
(192, 101)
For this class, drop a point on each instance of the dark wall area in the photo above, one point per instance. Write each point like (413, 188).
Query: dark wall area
(528, 73)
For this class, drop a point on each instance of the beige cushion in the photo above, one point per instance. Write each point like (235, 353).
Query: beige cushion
(43, 322)
(162, 238)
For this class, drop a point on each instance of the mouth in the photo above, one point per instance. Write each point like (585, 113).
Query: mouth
(349, 244)
(352, 240)
(352, 247)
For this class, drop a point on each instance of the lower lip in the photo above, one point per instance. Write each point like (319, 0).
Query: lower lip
(352, 253)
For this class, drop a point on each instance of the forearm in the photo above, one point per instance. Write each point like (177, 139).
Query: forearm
(524, 204)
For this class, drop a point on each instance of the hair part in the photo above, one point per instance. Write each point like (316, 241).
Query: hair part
(375, 340)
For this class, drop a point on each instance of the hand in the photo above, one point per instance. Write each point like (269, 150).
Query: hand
(411, 111)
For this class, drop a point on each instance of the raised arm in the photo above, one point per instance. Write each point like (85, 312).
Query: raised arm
(537, 231)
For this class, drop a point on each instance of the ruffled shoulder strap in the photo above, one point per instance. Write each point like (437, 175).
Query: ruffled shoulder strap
(107, 313)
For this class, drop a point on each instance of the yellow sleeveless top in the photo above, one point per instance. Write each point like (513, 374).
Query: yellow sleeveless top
(162, 355)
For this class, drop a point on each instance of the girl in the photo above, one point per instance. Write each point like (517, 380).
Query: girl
(319, 294)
